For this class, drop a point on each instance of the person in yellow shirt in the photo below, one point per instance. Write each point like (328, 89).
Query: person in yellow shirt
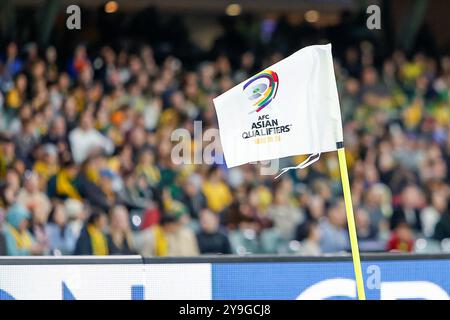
(16, 96)
(218, 194)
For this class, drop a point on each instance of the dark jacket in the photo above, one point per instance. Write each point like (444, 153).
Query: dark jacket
(3, 250)
(213, 243)
(193, 204)
(124, 249)
(83, 245)
(442, 229)
(399, 216)
(93, 193)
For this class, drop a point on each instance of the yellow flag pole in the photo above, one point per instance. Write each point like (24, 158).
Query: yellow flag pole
(351, 221)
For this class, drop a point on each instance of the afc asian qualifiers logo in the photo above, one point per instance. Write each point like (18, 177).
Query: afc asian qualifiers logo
(264, 89)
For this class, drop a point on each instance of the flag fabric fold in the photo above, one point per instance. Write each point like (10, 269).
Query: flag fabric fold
(290, 108)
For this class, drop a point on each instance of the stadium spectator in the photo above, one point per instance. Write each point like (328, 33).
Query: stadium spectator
(284, 215)
(365, 230)
(183, 241)
(85, 139)
(61, 237)
(442, 228)
(432, 214)
(310, 236)
(170, 238)
(217, 193)
(12, 62)
(210, 238)
(153, 241)
(92, 239)
(3, 247)
(90, 185)
(120, 238)
(409, 209)
(334, 236)
(314, 212)
(192, 195)
(31, 197)
(63, 184)
(76, 216)
(19, 241)
(401, 239)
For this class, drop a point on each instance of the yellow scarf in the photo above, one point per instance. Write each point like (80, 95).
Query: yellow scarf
(150, 172)
(93, 175)
(23, 239)
(65, 187)
(161, 245)
(98, 241)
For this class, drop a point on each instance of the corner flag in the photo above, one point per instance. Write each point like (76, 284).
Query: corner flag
(290, 108)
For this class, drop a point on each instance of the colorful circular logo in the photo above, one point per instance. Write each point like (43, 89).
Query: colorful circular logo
(264, 90)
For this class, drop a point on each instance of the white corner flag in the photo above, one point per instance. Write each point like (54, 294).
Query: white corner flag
(290, 108)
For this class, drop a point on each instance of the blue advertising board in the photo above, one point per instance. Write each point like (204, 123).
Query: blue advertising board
(402, 279)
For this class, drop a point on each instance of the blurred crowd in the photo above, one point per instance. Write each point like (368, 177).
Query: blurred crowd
(86, 167)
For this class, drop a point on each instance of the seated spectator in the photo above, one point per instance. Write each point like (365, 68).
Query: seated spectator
(315, 211)
(217, 193)
(245, 239)
(31, 197)
(151, 216)
(435, 214)
(63, 185)
(26, 139)
(334, 235)
(210, 238)
(61, 238)
(402, 238)
(285, 216)
(37, 227)
(442, 229)
(92, 240)
(46, 165)
(85, 138)
(19, 241)
(153, 241)
(120, 238)
(192, 195)
(169, 238)
(3, 248)
(310, 244)
(86, 182)
(147, 168)
(76, 214)
(378, 203)
(39, 205)
(57, 134)
(10, 188)
(7, 153)
(13, 63)
(409, 209)
(135, 193)
(365, 229)
(106, 184)
(182, 242)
